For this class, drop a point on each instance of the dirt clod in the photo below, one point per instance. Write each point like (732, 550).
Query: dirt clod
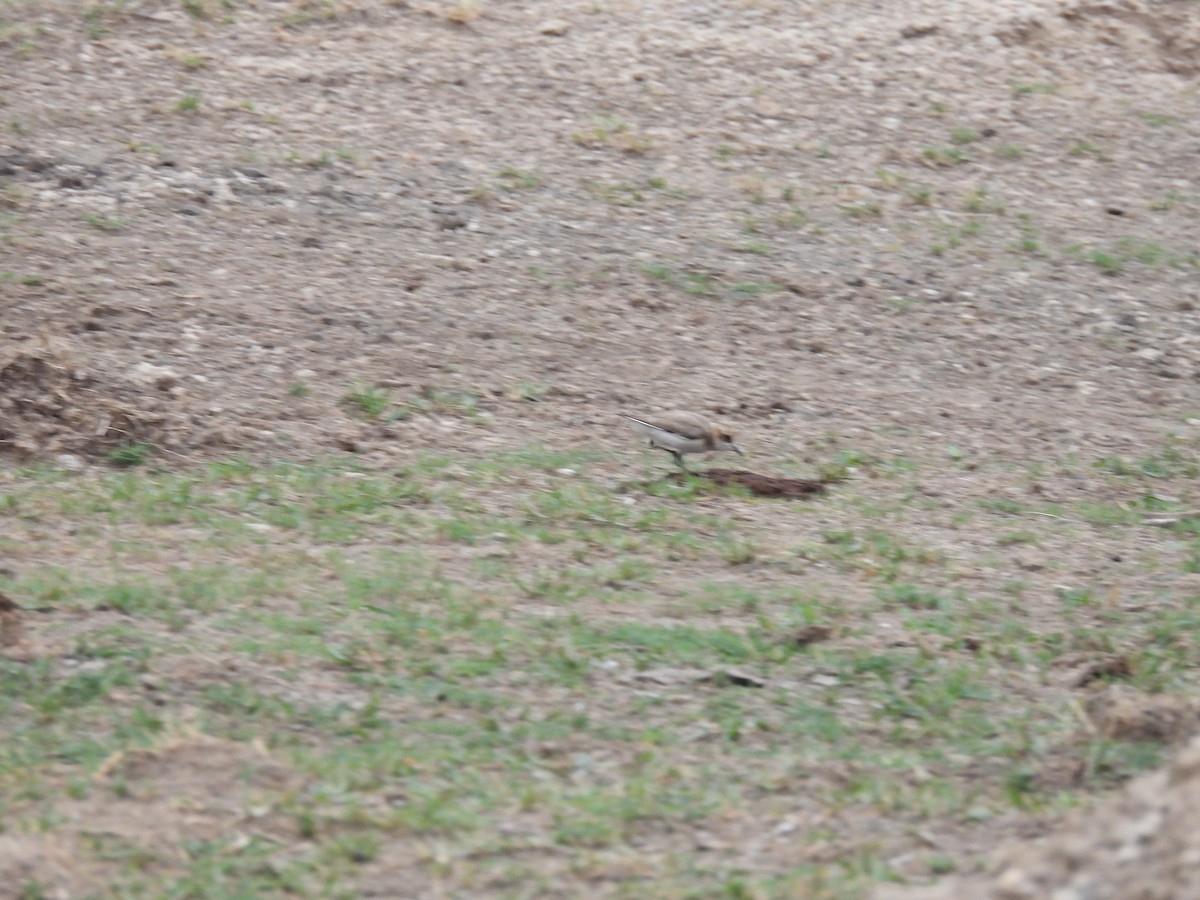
(1128, 715)
(12, 629)
(48, 406)
(812, 634)
(765, 485)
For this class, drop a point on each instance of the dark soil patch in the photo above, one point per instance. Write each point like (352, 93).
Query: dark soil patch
(765, 485)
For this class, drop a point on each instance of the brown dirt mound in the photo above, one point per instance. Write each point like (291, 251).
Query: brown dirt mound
(51, 405)
(1123, 714)
(1144, 843)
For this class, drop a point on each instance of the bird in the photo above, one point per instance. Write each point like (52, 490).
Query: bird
(680, 432)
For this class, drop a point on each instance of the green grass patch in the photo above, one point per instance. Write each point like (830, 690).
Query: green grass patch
(509, 652)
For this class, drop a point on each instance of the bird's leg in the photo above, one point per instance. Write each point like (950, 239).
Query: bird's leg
(678, 459)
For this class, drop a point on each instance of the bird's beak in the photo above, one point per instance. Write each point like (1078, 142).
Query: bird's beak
(736, 450)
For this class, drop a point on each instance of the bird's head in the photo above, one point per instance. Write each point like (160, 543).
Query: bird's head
(723, 440)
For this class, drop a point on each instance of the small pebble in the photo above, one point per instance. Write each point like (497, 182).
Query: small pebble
(70, 462)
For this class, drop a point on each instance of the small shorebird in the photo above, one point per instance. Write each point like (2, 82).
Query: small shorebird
(682, 432)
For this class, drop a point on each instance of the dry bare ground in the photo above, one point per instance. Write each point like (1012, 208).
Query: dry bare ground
(942, 254)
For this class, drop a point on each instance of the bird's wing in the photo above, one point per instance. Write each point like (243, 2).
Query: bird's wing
(683, 424)
(642, 424)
